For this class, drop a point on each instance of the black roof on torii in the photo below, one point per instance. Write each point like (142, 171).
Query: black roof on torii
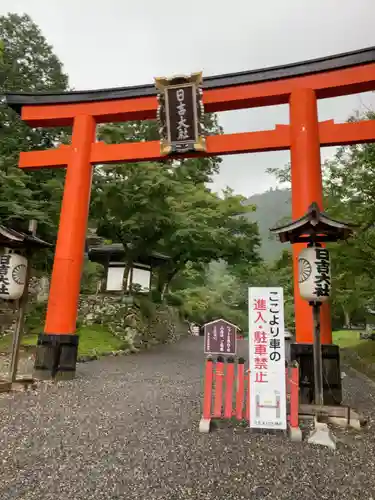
(334, 62)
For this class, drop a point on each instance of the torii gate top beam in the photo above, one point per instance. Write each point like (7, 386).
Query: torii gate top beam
(332, 76)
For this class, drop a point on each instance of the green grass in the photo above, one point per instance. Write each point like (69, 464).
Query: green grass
(356, 352)
(5, 342)
(346, 338)
(97, 339)
(93, 339)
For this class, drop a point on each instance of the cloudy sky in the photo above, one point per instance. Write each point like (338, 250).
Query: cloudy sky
(129, 42)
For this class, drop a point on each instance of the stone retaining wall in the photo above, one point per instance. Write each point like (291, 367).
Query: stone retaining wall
(141, 325)
(38, 292)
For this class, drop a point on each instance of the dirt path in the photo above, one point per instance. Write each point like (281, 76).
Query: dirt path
(127, 428)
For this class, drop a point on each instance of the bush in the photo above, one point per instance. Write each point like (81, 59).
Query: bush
(147, 308)
(35, 317)
(174, 300)
(155, 297)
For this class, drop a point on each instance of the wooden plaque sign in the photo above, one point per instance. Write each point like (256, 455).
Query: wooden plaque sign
(180, 114)
(220, 337)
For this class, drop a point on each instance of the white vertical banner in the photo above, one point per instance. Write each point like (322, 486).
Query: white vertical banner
(267, 358)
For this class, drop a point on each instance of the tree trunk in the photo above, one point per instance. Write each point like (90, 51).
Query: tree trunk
(347, 321)
(127, 270)
(163, 291)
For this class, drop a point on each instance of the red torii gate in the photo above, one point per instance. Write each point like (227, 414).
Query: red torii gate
(299, 84)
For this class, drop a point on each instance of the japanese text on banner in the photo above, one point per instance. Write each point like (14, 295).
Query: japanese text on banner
(267, 358)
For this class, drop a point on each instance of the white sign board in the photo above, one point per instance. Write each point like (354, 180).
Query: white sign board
(267, 358)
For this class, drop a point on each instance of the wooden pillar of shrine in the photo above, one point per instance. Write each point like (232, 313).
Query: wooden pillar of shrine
(307, 188)
(57, 348)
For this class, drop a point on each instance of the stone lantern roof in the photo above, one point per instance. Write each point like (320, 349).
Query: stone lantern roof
(114, 252)
(21, 240)
(314, 226)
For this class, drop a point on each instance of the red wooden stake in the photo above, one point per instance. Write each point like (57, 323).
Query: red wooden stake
(247, 411)
(219, 378)
(294, 395)
(240, 388)
(287, 390)
(208, 389)
(229, 382)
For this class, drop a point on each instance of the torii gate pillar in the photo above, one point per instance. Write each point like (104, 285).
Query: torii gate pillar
(57, 348)
(307, 188)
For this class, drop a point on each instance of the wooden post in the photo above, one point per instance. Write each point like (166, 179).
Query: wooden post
(219, 382)
(294, 395)
(229, 382)
(22, 303)
(240, 394)
(207, 398)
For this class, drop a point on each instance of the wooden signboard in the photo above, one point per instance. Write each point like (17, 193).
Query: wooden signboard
(220, 337)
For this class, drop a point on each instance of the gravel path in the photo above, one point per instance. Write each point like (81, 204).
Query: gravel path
(127, 428)
(25, 365)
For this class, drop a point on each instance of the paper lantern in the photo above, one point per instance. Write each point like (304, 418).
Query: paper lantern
(13, 269)
(314, 274)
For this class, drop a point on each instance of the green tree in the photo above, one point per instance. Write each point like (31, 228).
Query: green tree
(207, 228)
(349, 196)
(268, 274)
(166, 207)
(350, 191)
(220, 295)
(28, 64)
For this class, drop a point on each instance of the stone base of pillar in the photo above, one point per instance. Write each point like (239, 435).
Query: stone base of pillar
(322, 435)
(56, 357)
(332, 387)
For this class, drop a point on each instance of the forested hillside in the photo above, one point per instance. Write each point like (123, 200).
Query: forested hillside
(272, 207)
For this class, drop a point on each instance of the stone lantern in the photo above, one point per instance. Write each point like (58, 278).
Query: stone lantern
(16, 250)
(314, 280)
(314, 266)
(113, 258)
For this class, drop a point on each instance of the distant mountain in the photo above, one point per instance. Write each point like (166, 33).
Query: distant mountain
(273, 208)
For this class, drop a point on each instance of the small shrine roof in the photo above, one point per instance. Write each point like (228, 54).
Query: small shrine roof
(314, 225)
(223, 321)
(11, 238)
(104, 254)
